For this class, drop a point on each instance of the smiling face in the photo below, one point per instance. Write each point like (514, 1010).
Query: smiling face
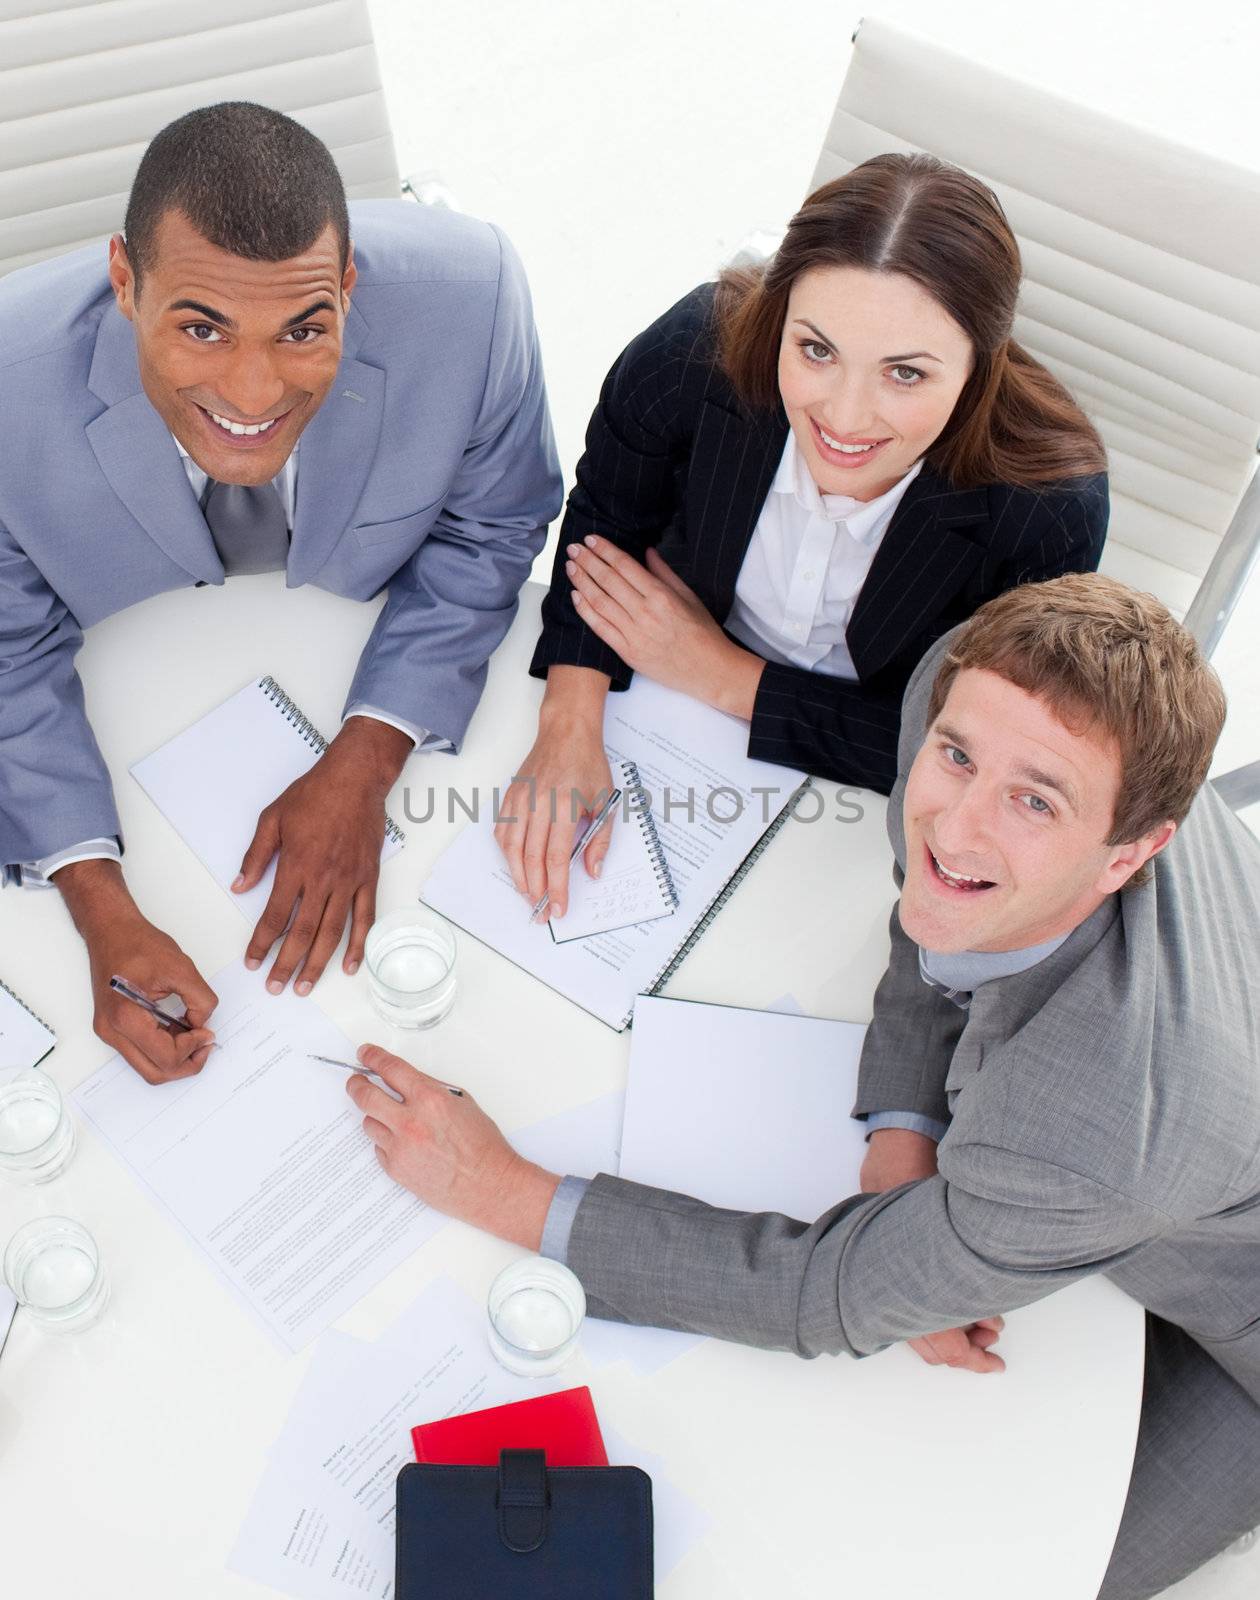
(1006, 813)
(870, 367)
(235, 355)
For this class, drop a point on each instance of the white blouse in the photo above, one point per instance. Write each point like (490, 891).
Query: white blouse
(805, 566)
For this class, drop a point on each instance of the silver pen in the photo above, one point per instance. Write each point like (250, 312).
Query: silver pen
(366, 1072)
(588, 833)
(122, 987)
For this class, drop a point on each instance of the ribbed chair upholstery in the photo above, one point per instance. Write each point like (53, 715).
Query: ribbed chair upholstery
(1141, 292)
(84, 87)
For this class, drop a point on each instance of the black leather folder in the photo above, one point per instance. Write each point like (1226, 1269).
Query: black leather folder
(523, 1531)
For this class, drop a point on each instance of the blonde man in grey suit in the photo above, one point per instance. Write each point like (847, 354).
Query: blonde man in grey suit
(1063, 1068)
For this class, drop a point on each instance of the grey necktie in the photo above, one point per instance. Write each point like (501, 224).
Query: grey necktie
(248, 526)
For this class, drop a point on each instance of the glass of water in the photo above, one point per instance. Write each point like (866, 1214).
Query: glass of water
(36, 1132)
(53, 1267)
(410, 957)
(536, 1308)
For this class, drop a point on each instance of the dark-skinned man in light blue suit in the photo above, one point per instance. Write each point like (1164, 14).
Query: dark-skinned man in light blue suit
(152, 399)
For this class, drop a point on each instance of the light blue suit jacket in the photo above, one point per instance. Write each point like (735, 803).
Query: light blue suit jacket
(429, 471)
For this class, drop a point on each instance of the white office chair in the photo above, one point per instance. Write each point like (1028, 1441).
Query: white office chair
(1141, 291)
(83, 88)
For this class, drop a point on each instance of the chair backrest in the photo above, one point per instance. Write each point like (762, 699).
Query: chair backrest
(83, 88)
(1141, 288)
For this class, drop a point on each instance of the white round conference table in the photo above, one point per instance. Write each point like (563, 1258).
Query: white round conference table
(128, 1453)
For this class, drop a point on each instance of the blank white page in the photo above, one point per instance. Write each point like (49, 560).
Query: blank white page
(211, 781)
(744, 1109)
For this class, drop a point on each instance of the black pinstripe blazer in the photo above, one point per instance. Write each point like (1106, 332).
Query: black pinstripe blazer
(674, 459)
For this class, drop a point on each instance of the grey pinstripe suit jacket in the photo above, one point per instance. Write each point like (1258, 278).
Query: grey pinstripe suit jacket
(1104, 1111)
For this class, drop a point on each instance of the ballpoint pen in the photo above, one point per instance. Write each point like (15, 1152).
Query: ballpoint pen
(587, 834)
(122, 987)
(366, 1072)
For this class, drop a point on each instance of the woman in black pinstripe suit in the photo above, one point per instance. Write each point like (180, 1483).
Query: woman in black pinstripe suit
(798, 479)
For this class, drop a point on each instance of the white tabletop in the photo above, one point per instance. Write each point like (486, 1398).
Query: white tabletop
(133, 1449)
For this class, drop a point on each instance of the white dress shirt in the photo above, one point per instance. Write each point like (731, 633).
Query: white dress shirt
(38, 874)
(805, 567)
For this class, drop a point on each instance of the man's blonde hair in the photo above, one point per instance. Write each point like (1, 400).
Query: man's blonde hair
(1111, 661)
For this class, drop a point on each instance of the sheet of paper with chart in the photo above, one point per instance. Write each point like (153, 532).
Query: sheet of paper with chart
(711, 803)
(262, 1160)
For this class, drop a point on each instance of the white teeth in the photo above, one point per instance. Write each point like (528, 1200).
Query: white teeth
(239, 428)
(956, 877)
(845, 449)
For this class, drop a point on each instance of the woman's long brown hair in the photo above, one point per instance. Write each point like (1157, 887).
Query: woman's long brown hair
(1013, 422)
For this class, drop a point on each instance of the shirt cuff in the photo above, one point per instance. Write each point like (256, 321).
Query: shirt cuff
(420, 737)
(912, 1120)
(560, 1214)
(38, 874)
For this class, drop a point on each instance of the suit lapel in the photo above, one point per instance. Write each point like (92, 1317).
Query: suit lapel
(734, 459)
(936, 538)
(135, 451)
(338, 448)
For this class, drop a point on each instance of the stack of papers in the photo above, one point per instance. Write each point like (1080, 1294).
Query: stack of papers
(321, 1525)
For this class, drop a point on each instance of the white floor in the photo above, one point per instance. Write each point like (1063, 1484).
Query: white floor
(627, 146)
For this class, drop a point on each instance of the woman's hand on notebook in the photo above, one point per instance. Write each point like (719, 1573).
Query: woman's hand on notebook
(328, 827)
(445, 1149)
(660, 627)
(120, 938)
(564, 777)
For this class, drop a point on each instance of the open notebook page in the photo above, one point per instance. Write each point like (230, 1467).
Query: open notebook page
(711, 804)
(211, 781)
(633, 885)
(24, 1039)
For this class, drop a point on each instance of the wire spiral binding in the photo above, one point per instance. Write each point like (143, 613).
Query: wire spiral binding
(705, 921)
(642, 814)
(298, 720)
(19, 1000)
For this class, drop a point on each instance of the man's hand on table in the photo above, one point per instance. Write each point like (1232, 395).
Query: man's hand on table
(445, 1149)
(120, 939)
(328, 827)
(898, 1155)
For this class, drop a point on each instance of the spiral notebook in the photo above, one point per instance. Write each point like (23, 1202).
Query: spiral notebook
(25, 1039)
(634, 884)
(211, 781)
(714, 811)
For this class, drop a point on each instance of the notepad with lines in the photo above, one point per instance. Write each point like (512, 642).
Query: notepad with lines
(212, 780)
(634, 884)
(715, 810)
(25, 1039)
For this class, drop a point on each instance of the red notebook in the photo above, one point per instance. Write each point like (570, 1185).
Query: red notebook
(562, 1424)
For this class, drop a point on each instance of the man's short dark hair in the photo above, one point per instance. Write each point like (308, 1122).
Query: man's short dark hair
(250, 180)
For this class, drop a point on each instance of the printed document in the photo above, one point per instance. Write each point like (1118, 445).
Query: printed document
(262, 1160)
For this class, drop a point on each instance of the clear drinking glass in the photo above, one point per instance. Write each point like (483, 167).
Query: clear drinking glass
(53, 1267)
(536, 1308)
(36, 1132)
(410, 958)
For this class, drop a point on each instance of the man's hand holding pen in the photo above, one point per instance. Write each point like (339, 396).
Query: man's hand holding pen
(120, 939)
